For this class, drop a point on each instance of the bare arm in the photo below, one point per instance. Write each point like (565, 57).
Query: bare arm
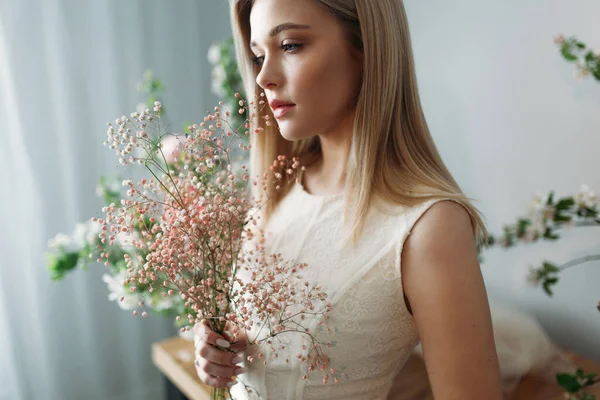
(442, 280)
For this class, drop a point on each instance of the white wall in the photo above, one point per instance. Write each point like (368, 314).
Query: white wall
(510, 119)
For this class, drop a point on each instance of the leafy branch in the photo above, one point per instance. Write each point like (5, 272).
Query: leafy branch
(575, 384)
(547, 216)
(587, 62)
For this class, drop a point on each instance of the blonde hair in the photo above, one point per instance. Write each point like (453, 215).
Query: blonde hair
(392, 154)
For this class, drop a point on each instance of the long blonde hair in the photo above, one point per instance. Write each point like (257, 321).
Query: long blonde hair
(392, 154)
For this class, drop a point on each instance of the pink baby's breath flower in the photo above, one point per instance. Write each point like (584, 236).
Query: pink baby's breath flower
(170, 147)
(199, 231)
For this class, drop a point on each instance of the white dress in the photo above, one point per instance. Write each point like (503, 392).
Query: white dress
(372, 331)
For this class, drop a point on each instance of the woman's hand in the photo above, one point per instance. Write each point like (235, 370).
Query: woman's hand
(215, 367)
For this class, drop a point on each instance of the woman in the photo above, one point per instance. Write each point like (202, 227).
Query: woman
(340, 81)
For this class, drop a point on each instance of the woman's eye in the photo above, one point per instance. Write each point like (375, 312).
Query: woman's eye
(258, 60)
(291, 47)
(288, 47)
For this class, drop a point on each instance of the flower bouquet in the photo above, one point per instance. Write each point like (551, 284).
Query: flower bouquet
(195, 230)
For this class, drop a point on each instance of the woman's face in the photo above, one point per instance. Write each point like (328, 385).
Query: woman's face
(308, 69)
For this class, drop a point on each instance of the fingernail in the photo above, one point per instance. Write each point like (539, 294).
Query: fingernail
(237, 359)
(230, 384)
(223, 343)
(240, 371)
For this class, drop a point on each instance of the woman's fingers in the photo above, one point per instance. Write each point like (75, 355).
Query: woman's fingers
(238, 342)
(214, 355)
(203, 370)
(204, 333)
(217, 370)
(238, 347)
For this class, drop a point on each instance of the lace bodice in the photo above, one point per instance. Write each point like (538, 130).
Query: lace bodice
(372, 331)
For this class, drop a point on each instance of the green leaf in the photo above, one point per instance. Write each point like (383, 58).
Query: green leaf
(59, 266)
(156, 86)
(589, 377)
(522, 225)
(550, 267)
(580, 45)
(550, 199)
(550, 235)
(568, 55)
(562, 218)
(150, 101)
(547, 289)
(551, 281)
(569, 382)
(565, 204)
(590, 56)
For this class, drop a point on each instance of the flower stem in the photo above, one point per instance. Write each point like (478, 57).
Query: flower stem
(578, 261)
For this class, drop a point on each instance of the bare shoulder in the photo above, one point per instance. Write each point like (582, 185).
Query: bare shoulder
(441, 228)
(442, 280)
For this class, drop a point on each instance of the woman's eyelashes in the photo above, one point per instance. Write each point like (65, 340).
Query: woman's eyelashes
(286, 47)
(291, 47)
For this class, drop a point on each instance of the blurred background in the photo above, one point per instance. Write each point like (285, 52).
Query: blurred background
(510, 115)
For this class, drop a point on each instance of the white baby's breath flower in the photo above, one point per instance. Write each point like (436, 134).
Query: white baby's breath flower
(539, 213)
(537, 227)
(60, 240)
(214, 54)
(93, 230)
(118, 290)
(580, 71)
(79, 235)
(85, 233)
(114, 186)
(160, 303)
(99, 191)
(171, 148)
(125, 239)
(218, 77)
(586, 197)
(537, 204)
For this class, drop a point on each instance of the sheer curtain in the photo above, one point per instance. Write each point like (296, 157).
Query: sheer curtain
(66, 68)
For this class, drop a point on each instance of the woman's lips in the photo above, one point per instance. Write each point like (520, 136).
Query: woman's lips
(280, 111)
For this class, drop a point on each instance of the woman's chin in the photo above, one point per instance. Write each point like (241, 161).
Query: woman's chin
(293, 135)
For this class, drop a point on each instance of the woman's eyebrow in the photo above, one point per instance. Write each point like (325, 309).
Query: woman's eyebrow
(281, 28)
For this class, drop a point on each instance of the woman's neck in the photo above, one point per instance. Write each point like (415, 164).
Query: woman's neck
(327, 174)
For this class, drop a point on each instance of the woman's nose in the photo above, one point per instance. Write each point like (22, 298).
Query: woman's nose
(269, 75)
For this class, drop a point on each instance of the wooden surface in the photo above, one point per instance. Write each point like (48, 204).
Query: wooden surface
(413, 384)
(536, 389)
(174, 357)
